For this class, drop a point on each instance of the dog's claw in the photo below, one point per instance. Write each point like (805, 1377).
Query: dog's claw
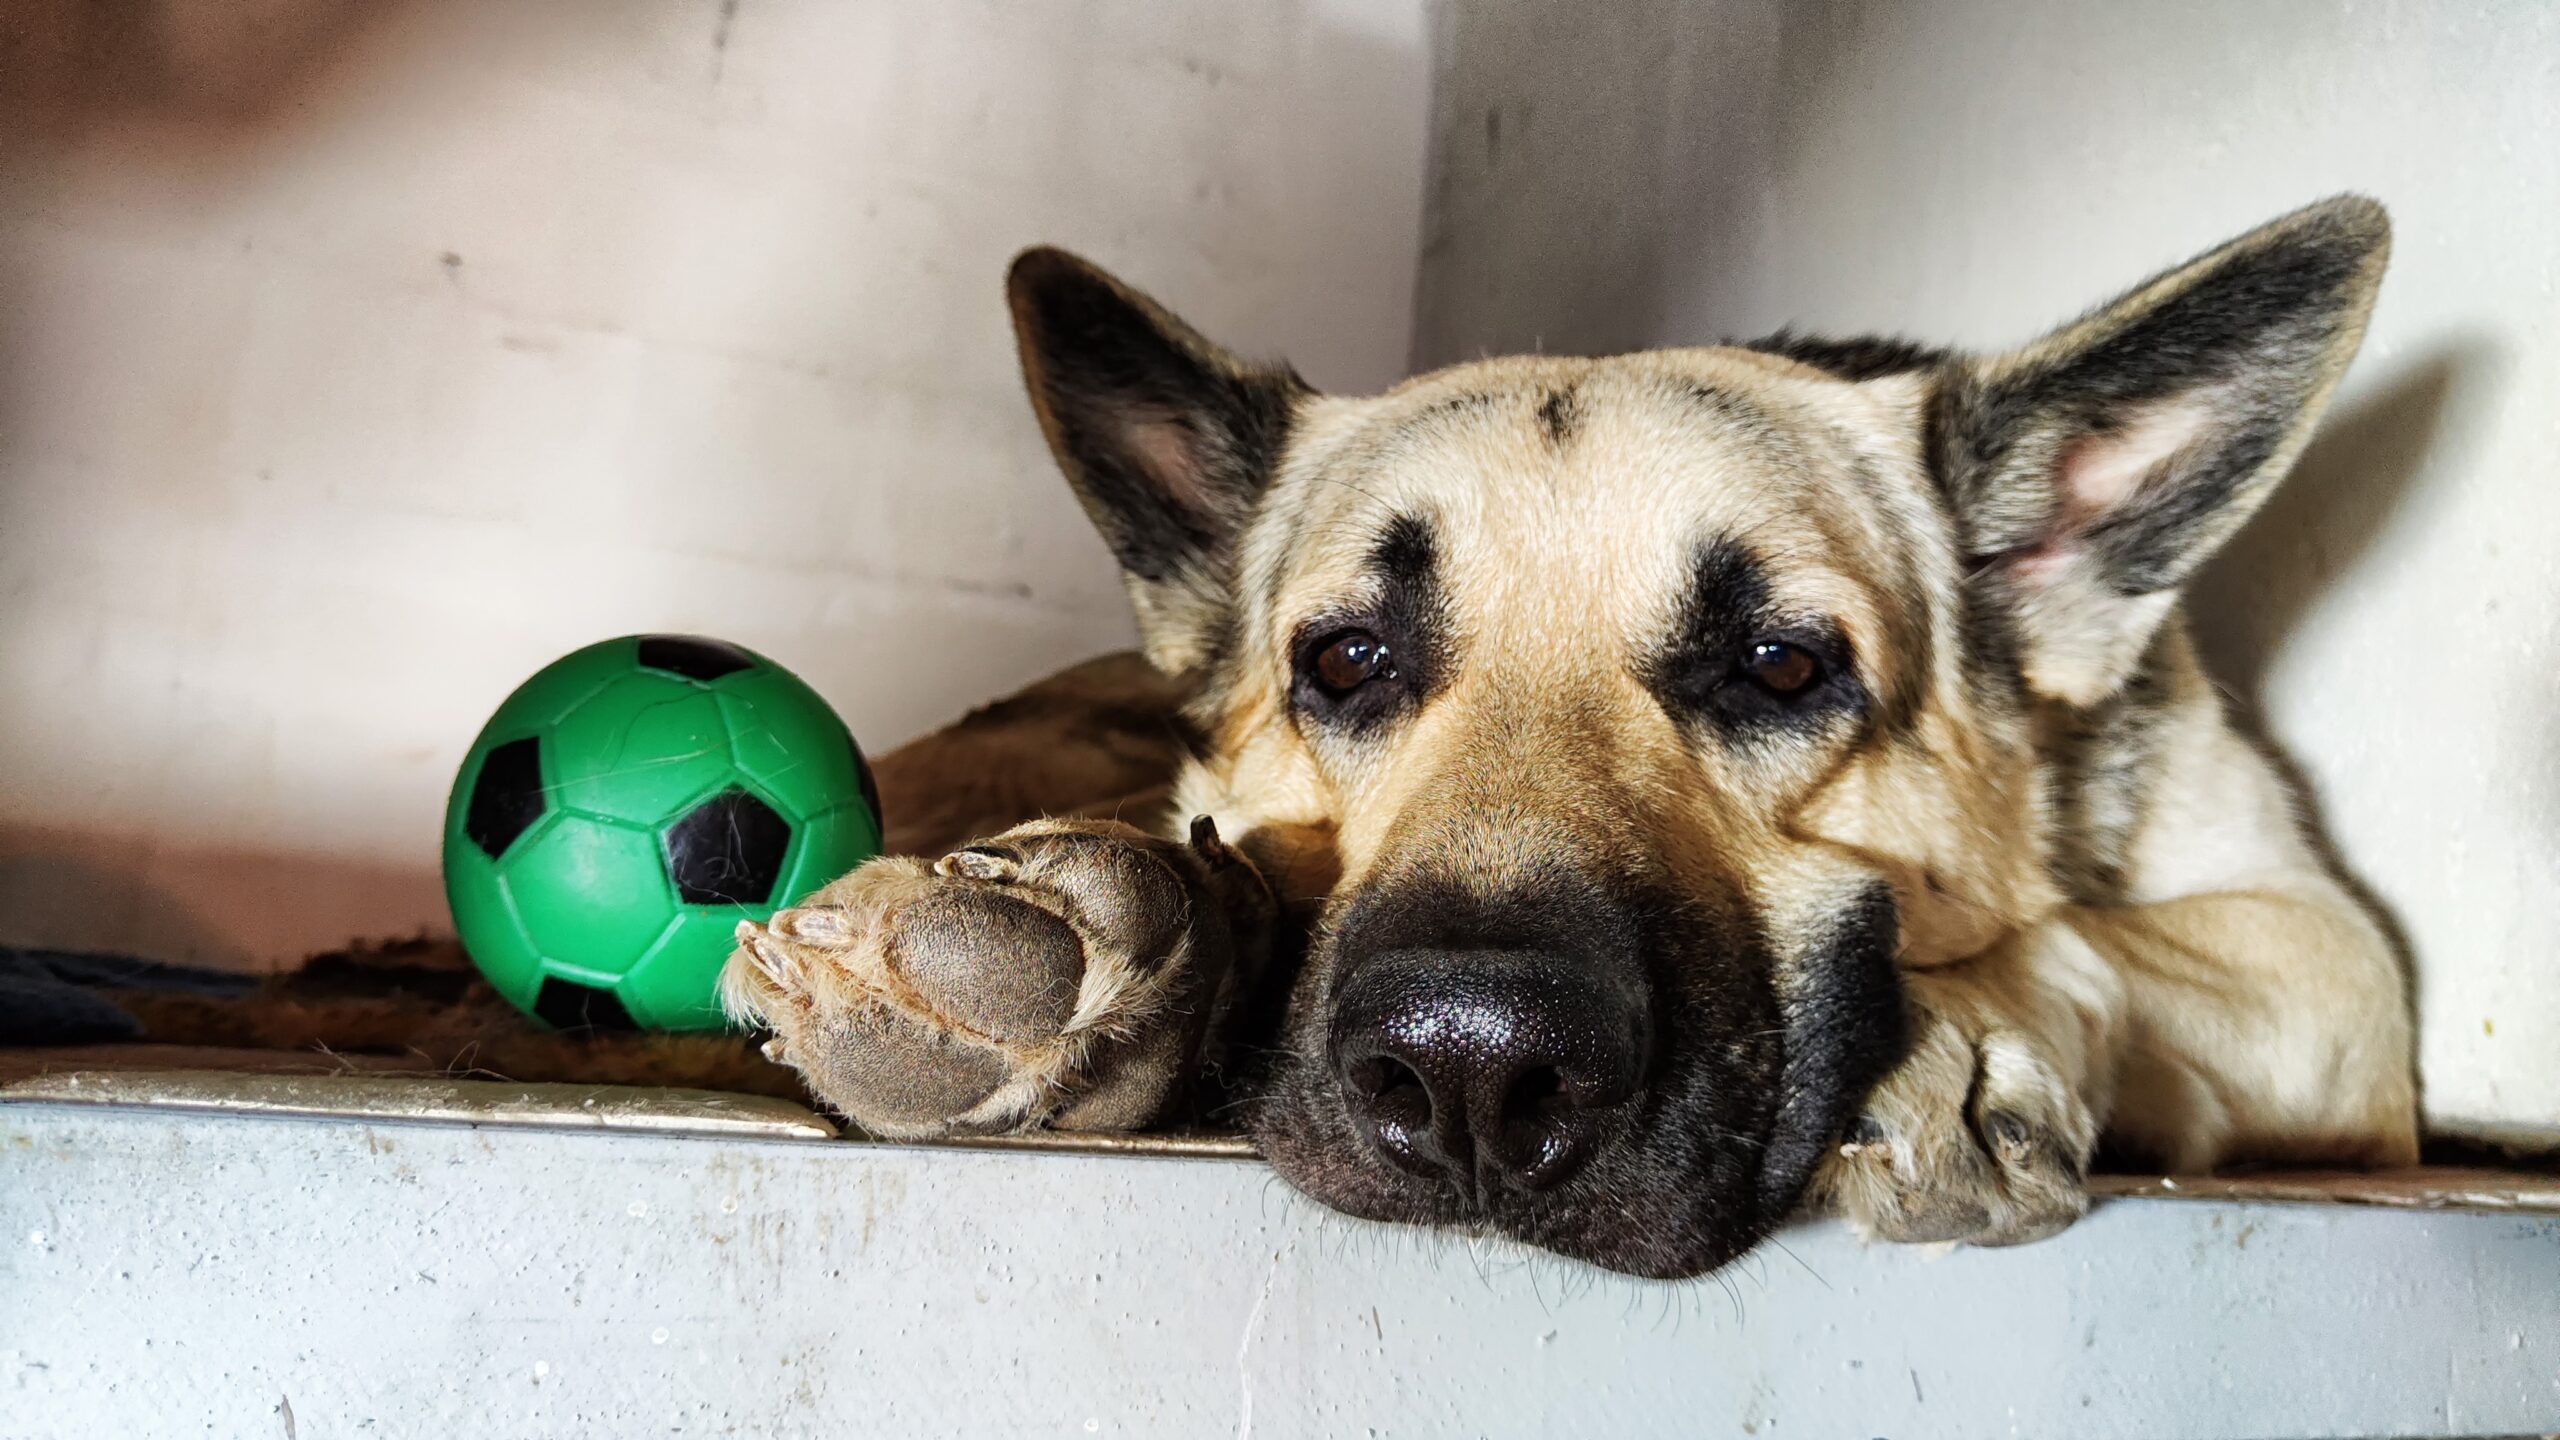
(811, 925)
(775, 960)
(980, 862)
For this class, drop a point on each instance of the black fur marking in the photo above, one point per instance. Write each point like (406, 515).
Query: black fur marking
(1741, 420)
(1558, 414)
(1697, 671)
(1409, 615)
(1471, 402)
(1845, 1030)
(1863, 357)
(1735, 410)
(1987, 629)
(1406, 554)
(2105, 763)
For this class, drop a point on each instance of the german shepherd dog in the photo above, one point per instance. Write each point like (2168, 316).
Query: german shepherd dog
(1630, 801)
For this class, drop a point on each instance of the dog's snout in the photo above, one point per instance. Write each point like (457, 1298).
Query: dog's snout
(1489, 1070)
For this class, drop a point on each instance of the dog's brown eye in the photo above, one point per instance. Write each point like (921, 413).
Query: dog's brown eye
(1351, 661)
(1781, 668)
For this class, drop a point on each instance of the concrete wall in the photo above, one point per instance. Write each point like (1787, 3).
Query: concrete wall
(1649, 172)
(357, 358)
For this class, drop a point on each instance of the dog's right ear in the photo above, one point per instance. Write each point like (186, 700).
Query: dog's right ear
(1168, 440)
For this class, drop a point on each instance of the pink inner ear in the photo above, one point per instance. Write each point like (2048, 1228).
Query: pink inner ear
(1167, 451)
(2100, 473)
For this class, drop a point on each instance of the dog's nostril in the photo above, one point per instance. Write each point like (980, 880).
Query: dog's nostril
(1537, 1125)
(1394, 1106)
(1535, 1096)
(1378, 1074)
(1389, 1083)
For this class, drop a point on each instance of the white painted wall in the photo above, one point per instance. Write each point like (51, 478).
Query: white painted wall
(1654, 172)
(358, 358)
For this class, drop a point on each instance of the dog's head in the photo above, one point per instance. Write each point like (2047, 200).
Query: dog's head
(1650, 709)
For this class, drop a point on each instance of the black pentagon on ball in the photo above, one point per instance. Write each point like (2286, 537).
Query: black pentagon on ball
(568, 1005)
(693, 657)
(728, 850)
(507, 798)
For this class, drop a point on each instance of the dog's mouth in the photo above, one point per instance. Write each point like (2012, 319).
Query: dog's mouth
(1652, 1095)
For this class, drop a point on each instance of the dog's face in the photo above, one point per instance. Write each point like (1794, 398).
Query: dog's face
(1570, 657)
(1638, 716)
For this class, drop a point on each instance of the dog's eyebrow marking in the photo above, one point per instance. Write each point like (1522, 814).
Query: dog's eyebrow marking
(1412, 604)
(1728, 592)
(1406, 554)
(1558, 414)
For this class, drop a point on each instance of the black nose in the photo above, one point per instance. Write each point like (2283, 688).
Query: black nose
(1491, 1070)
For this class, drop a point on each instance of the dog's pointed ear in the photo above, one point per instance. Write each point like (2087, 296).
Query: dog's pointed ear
(1168, 440)
(2092, 472)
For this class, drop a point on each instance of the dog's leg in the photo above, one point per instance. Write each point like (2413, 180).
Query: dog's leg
(2265, 1025)
(2262, 1025)
(1985, 1131)
(1065, 973)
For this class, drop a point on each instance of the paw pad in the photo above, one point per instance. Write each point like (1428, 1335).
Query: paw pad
(1065, 972)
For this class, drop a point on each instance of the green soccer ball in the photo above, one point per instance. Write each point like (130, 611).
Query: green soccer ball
(627, 807)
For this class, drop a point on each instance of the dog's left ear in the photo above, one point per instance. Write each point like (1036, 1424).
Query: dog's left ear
(1167, 439)
(2094, 471)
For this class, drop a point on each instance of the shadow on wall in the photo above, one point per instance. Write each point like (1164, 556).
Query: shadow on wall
(2361, 468)
(67, 890)
(220, 70)
(203, 80)
(1582, 136)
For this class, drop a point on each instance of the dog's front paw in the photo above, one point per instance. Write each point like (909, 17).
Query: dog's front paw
(1059, 974)
(1984, 1133)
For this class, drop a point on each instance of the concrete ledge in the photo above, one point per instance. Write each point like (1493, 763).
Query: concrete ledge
(376, 1096)
(166, 1271)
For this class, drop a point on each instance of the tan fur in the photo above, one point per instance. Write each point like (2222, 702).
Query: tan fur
(2229, 1002)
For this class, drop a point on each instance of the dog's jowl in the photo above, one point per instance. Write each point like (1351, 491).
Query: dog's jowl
(1641, 797)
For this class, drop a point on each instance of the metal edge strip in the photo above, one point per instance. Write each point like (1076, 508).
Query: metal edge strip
(432, 1101)
(636, 1109)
